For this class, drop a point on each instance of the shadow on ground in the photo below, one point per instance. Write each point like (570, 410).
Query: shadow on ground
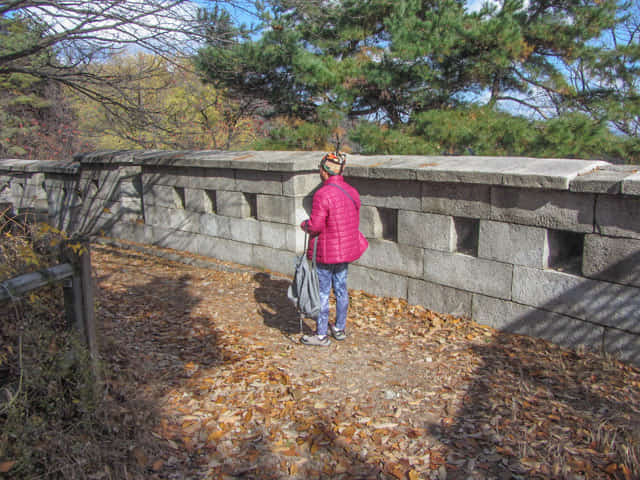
(526, 409)
(537, 410)
(275, 307)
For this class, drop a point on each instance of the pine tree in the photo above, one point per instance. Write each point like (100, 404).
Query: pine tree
(392, 61)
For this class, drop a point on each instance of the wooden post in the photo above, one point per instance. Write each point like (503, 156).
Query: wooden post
(79, 295)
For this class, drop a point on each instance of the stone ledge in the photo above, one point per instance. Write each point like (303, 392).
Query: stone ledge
(275, 161)
(17, 165)
(607, 179)
(507, 171)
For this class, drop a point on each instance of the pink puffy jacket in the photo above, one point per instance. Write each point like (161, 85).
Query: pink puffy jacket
(334, 223)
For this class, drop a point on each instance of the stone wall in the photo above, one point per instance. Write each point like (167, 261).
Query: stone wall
(543, 247)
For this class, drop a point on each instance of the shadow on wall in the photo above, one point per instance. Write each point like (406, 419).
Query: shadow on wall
(536, 410)
(93, 201)
(577, 311)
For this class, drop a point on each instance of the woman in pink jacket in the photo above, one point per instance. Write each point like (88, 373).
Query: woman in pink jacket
(334, 225)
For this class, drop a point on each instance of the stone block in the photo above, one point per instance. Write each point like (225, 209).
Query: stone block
(456, 199)
(214, 225)
(5, 189)
(599, 302)
(99, 183)
(560, 210)
(90, 192)
(91, 209)
(35, 179)
(19, 179)
(129, 188)
(296, 240)
(377, 282)
(65, 198)
(226, 250)
(131, 172)
(133, 232)
(163, 196)
(289, 210)
(16, 193)
(215, 179)
(60, 182)
(174, 219)
(301, 185)
(205, 179)
(34, 191)
(468, 273)
(198, 200)
(176, 239)
(62, 218)
(101, 224)
(427, 230)
(251, 181)
(245, 230)
(280, 261)
(29, 197)
(403, 195)
(606, 179)
(618, 216)
(439, 298)
(232, 204)
(631, 185)
(132, 204)
(114, 213)
(623, 345)
(512, 243)
(612, 259)
(370, 222)
(281, 236)
(521, 319)
(392, 257)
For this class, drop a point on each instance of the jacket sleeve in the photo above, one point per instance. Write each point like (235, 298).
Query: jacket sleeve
(318, 219)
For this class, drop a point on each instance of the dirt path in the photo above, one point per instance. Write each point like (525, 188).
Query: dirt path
(223, 389)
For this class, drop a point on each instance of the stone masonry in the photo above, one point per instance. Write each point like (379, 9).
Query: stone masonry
(542, 247)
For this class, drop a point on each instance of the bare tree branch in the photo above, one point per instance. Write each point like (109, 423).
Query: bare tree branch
(69, 41)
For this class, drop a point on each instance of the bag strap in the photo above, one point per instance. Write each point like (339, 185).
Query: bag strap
(345, 192)
(307, 239)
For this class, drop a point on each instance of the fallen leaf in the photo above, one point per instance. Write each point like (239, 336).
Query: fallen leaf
(611, 468)
(6, 466)
(140, 456)
(396, 470)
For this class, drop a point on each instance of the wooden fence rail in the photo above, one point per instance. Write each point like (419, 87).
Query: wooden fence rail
(75, 276)
(19, 286)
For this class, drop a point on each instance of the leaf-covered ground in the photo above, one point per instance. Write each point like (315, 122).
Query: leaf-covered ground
(207, 367)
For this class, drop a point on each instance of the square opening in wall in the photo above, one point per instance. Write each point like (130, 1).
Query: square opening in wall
(467, 233)
(210, 201)
(178, 197)
(389, 221)
(565, 251)
(252, 200)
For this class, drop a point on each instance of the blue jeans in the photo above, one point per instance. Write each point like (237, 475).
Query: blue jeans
(332, 275)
